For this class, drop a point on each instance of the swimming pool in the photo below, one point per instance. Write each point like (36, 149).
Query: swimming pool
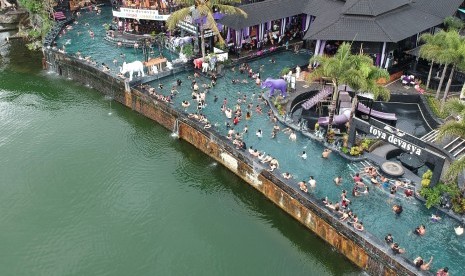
(78, 39)
(374, 210)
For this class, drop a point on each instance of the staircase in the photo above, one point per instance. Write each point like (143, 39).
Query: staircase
(430, 136)
(456, 146)
(325, 92)
(332, 111)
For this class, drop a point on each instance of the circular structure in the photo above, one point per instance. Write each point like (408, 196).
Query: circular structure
(410, 161)
(392, 168)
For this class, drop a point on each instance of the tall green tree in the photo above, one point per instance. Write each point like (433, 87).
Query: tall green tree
(204, 9)
(455, 45)
(429, 51)
(354, 70)
(454, 128)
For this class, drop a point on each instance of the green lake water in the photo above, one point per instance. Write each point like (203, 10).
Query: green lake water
(89, 187)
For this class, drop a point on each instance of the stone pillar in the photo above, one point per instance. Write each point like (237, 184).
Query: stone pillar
(317, 47)
(352, 134)
(383, 53)
(438, 166)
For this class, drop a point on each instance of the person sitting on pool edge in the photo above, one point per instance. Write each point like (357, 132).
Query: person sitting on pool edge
(287, 175)
(326, 153)
(420, 263)
(312, 182)
(359, 226)
(389, 239)
(303, 186)
(396, 249)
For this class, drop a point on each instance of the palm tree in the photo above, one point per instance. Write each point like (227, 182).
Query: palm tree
(356, 71)
(429, 51)
(200, 9)
(454, 128)
(456, 49)
(444, 56)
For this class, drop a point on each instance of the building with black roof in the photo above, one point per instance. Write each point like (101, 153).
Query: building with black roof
(378, 27)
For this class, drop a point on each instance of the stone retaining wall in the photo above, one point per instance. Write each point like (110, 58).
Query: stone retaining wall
(363, 249)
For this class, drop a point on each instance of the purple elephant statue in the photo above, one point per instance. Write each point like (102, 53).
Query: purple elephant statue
(275, 84)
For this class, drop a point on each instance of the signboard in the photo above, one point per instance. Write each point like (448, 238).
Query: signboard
(192, 29)
(402, 140)
(140, 14)
(393, 136)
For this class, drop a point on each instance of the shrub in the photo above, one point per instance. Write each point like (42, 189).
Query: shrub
(426, 178)
(285, 71)
(435, 106)
(458, 204)
(435, 194)
(356, 151)
(188, 50)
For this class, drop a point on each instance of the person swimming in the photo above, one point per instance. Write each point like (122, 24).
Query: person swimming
(435, 218)
(389, 239)
(459, 230)
(420, 230)
(397, 209)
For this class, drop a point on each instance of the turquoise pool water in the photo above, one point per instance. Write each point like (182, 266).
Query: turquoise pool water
(374, 210)
(78, 39)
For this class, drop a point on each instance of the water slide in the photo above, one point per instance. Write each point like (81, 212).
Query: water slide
(344, 117)
(337, 119)
(325, 92)
(377, 114)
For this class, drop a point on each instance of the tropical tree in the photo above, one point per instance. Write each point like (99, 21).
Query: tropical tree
(429, 51)
(455, 44)
(354, 70)
(454, 128)
(453, 23)
(445, 56)
(203, 11)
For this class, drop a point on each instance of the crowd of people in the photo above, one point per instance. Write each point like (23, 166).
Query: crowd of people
(244, 107)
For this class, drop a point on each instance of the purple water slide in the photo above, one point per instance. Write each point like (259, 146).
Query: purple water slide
(337, 120)
(375, 113)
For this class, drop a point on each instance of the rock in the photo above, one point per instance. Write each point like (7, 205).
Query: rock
(12, 17)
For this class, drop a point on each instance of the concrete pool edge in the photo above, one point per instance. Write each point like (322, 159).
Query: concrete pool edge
(363, 249)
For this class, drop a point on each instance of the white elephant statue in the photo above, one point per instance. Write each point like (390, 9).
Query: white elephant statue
(205, 66)
(136, 66)
(169, 65)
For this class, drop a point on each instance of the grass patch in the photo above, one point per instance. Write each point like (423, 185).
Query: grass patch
(435, 106)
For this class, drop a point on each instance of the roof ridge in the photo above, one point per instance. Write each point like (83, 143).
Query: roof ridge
(384, 31)
(349, 7)
(370, 5)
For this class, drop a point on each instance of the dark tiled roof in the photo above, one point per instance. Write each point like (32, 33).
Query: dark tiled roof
(372, 7)
(262, 12)
(380, 24)
(360, 20)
